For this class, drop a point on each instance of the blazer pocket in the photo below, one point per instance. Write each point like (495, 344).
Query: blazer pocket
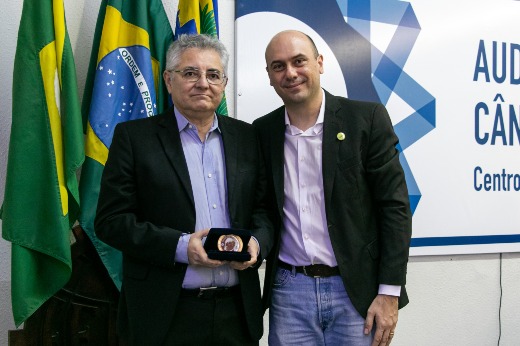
(135, 270)
(373, 249)
(350, 162)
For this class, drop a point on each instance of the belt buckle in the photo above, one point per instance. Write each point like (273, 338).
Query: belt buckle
(204, 289)
(312, 276)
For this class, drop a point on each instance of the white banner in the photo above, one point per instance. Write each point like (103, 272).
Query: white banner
(448, 72)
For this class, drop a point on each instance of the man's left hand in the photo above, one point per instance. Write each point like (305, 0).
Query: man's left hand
(383, 311)
(252, 248)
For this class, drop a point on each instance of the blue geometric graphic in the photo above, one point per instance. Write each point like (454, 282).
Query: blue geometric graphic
(387, 71)
(369, 74)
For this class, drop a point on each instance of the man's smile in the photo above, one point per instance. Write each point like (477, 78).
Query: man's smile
(293, 86)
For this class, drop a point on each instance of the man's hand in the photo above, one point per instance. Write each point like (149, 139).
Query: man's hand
(384, 311)
(197, 256)
(252, 248)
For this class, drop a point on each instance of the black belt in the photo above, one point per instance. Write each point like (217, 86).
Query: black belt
(314, 271)
(211, 292)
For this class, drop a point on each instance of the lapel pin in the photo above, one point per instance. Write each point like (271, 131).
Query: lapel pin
(341, 136)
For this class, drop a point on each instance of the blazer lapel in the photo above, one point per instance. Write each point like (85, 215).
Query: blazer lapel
(171, 140)
(331, 127)
(277, 158)
(230, 142)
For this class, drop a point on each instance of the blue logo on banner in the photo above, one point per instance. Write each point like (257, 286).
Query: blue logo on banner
(369, 74)
(123, 90)
(388, 75)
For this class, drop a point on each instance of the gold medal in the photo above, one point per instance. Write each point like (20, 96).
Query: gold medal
(230, 242)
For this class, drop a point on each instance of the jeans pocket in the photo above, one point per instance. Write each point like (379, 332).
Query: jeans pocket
(282, 277)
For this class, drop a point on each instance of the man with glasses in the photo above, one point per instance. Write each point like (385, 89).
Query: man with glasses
(344, 219)
(167, 181)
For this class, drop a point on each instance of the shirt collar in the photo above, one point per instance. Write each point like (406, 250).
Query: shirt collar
(182, 122)
(293, 130)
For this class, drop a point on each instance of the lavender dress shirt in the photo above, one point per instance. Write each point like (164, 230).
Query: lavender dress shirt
(207, 169)
(305, 238)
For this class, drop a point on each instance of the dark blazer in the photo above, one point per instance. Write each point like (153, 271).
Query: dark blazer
(366, 199)
(146, 203)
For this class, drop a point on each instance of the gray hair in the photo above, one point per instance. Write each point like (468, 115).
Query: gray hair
(203, 42)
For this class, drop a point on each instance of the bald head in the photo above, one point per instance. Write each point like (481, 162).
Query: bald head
(288, 35)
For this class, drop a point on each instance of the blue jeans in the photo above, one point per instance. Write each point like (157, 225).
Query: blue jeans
(314, 312)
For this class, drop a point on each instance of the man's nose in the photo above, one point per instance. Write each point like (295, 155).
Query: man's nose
(202, 82)
(290, 72)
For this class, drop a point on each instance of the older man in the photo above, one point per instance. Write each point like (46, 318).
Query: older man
(340, 259)
(167, 181)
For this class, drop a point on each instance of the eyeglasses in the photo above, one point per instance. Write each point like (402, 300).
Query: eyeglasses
(192, 75)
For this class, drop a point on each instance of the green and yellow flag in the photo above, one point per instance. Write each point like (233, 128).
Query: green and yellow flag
(124, 82)
(199, 17)
(41, 199)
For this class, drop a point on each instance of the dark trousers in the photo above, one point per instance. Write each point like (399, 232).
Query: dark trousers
(209, 321)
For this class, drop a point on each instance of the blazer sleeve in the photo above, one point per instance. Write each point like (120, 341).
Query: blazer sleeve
(117, 223)
(262, 227)
(387, 185)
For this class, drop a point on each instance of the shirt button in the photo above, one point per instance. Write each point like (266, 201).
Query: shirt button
(209, 175)
(306, 236)
(190, 126)
(303, 185)
(214, 206)
(304, 209)
(302, 159)
(221, 272)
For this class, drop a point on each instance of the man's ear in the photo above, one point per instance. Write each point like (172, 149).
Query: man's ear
(167, 80)
(320, 63)
(267, 70)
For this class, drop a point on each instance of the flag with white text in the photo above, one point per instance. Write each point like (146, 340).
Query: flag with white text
(124, 82)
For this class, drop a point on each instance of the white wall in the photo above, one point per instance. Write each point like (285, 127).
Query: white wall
(454, 299)
(9, 19)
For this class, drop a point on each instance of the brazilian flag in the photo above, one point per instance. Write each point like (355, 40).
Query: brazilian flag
(124, 82)
(199, 17)
(41, 199)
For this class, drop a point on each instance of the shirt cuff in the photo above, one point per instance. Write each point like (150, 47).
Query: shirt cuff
(257, 243)
(390, 290)
(181, 254)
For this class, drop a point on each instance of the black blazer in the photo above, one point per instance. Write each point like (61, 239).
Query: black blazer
(366, 199)
(146, 203)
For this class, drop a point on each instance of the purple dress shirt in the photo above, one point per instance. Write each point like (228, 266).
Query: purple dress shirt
(305, 237)
(206, 166)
